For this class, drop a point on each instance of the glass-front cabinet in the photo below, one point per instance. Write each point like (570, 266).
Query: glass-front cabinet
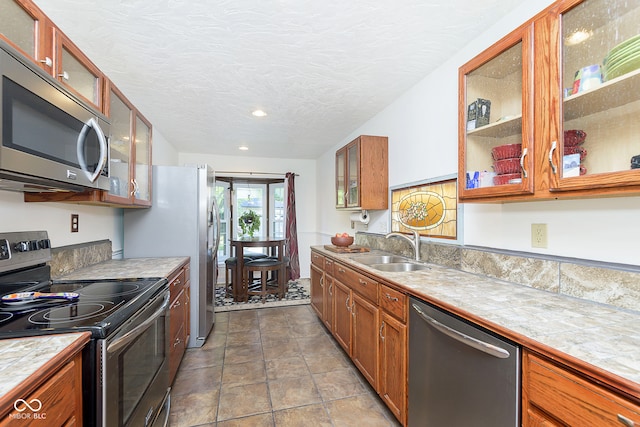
(142, 161)
(120, 112)
(594, 126)
(26, 28)
(496, 119)
(341, 167)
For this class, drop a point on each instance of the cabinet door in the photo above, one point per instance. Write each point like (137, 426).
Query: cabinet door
(594, 95)
(342, 315)
(495, 121)
(393, 365)
(26, 28)
(317, 290)
(120, 112)
(341, 182)
(176, 334)
(364, 341)
(328, 302)
(353, 174)
(76, 71)
(142, 161)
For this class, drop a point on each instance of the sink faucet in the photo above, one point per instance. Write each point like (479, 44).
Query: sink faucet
(415, 242)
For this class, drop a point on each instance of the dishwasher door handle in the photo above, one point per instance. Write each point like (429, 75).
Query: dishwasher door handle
(485, 347)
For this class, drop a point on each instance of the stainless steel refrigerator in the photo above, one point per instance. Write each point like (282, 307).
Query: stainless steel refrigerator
(183, 221)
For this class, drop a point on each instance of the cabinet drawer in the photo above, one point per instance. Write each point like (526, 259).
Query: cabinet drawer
(59, 399)
(572, 399)
(366, 287)
(177, 283)
(317, 260)
(393, 302)
(328, 266)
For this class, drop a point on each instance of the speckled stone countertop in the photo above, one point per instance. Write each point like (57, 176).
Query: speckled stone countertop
(23, 359)
(600, 335)
(128, 268)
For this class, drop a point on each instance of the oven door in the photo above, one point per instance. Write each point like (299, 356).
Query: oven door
(135, 374)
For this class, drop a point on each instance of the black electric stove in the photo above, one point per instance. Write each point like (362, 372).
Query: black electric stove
(101, 306)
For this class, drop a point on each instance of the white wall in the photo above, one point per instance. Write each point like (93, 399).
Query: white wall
(305, 185)
(422, 130)
(163, 152)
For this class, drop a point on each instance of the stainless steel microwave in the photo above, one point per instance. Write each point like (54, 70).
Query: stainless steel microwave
(50, 139)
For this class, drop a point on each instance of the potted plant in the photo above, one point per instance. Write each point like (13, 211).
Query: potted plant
(249, 222)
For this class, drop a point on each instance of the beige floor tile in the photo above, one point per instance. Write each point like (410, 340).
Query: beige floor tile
(273, 324)
(326, 362)
(287, 367)
(195, 358)
(317, 345)
(244, 373)
(197, 380)
(292, 392)
(243, 400)
(312, 415)
(194, 409)
(246, 324)
(262, 420)
(305, 330)
(243, 353)
(243, 337)
(274, 349)
(358, 411)
(338, 384)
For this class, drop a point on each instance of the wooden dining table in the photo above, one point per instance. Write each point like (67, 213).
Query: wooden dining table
(274, 246)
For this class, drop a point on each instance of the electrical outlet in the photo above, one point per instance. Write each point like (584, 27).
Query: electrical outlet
(74, 223)
(538, 235)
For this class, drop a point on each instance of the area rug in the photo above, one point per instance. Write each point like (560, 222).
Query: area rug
(297, 294)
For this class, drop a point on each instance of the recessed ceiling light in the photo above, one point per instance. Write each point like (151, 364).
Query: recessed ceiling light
(243, 148)
(259, 113)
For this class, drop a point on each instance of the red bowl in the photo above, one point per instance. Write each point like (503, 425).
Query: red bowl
(574, 137)
(504, 179)
(342, 241)
(509, 151)
(507, 166)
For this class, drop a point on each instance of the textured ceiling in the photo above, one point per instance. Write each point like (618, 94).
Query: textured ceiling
(320, 69)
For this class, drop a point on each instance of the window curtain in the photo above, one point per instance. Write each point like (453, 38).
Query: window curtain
(291, 232)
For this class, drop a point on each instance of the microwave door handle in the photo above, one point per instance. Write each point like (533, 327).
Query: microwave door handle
(138, 330)
(92, 124)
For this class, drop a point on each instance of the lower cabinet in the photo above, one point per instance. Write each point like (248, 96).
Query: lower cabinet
(368, 320)
(179, 318)
(556, 396)
(60, 398)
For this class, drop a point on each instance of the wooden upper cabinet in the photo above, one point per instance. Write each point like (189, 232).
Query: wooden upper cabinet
(593, 123)
(580, 99)
(362, 174)
(495, 123)
(25, 27)
(74, 70)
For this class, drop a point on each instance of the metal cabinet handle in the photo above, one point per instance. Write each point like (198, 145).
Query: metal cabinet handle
(389, 297)
(46, 61)
(380, 332)
(524, 154)
(177, 342)
(64, 75)
(340, 270)
(363, 282)
(554, 168)
(321, 281)
(330, 286)
(625, 421)
(176, 282)
(347, 303)
(485, 347)
(353, 310)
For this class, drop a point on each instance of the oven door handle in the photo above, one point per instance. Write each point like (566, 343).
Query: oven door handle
(138, 330)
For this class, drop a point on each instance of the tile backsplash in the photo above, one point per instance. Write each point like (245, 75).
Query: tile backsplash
(612, 284)
(65, 259)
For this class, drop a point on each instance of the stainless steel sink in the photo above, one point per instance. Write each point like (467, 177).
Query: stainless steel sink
(378, 259)
(399, 266)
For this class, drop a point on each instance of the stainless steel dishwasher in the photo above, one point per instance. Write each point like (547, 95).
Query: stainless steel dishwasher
(459, 374)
